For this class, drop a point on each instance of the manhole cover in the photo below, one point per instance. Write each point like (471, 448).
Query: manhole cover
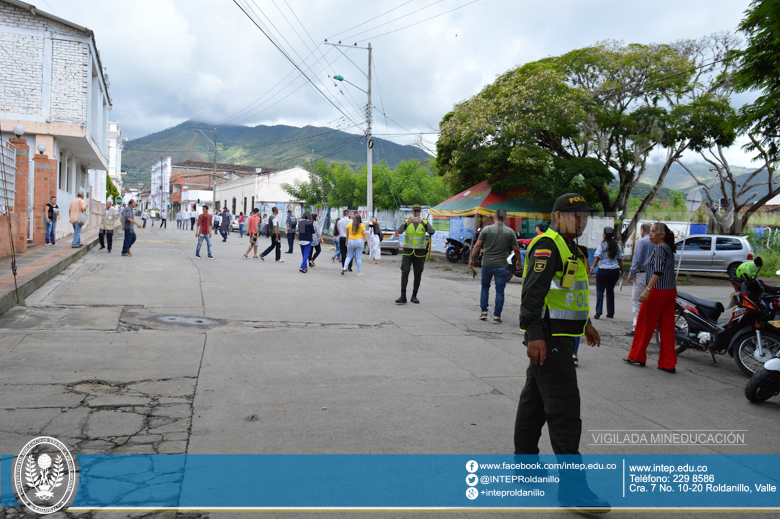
(177, 319)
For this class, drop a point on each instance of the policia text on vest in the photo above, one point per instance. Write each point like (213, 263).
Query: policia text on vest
(414, 252)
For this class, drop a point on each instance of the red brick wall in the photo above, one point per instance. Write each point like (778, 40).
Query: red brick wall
(18, 229)
(45, 184)
(18, 219)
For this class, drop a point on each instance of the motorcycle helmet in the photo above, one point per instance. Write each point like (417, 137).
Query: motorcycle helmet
(748, 268)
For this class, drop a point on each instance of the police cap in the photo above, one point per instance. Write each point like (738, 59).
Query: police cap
(572, 203)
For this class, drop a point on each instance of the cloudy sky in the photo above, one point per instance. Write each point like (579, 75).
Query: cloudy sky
(174, 60)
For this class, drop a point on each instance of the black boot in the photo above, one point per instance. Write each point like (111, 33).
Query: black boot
(401, 300)
(414, 298)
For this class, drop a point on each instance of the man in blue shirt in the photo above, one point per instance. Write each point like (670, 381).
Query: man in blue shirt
(642, 250)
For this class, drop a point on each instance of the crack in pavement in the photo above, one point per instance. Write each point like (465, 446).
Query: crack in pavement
(152, 416)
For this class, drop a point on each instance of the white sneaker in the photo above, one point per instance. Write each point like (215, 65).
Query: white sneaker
(343, 271)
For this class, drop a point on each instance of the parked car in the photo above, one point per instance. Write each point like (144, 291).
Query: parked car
(390, 242)
(713, 253)
(234, 224)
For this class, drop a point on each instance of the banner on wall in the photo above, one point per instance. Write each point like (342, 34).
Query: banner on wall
(440, 223)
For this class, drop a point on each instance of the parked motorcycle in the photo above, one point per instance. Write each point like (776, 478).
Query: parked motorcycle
(511, 261)
(747, 336)
(765, 383)
(457, 250)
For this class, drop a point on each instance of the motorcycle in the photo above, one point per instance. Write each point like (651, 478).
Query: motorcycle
(511, 261)
(457, 250)
(748, 336)
(765, 383)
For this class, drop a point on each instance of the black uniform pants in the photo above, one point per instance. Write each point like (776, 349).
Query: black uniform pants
(550, 395)
(163, 223)
(109, 236)
(290, 241)
(407, 263)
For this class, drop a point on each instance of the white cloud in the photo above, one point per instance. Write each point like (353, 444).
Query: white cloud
(173, 60)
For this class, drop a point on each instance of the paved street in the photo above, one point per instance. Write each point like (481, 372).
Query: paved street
(164, 353)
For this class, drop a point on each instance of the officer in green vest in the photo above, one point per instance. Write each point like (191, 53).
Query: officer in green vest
(553, 311)
(415, 251)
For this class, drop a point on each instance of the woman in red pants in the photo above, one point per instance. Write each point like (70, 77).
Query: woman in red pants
(657, 303)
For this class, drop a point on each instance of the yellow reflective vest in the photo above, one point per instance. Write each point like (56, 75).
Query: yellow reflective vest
(567, 306)
(414, 239)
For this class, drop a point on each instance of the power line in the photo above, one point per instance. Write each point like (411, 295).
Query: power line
(285, 39)
(292, 62)
(391, 21)
(417, 23)
(370, 20)
(354, 103)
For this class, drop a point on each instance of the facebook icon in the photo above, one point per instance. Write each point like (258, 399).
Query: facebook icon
(472, 466)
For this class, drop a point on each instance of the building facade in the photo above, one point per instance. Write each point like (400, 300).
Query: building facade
(243, 192)
(192, 182)
(55, 86)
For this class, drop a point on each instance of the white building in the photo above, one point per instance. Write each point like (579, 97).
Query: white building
(241, 193)
(115, 154)
(54, 85)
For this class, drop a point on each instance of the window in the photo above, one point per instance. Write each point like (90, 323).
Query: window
(253, 203)
(728, 244)
(699, 243)
(234, 205)
(62, 173)
(245, 206)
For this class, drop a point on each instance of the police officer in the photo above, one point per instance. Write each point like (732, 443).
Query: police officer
(414, 252)
(554, 310)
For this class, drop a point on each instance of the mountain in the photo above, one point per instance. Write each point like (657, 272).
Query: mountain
(262, 146)
(679, 179)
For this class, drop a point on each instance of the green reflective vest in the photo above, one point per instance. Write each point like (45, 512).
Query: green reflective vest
(414, 238)
(568, 307)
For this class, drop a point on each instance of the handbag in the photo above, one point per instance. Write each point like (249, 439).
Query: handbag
(82, 219)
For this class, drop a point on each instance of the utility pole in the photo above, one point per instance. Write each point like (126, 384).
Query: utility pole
(214, 178)
(214, 175)
(369, 111)
(370, 144)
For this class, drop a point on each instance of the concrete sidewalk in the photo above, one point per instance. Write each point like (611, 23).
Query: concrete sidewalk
(38, 265)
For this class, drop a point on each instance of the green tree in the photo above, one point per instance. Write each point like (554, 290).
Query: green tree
(111, 191)
(580, 121)
(336, 185)
(408, 184)
(759, 69)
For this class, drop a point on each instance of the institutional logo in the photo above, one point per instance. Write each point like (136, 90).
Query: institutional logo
(45, 476)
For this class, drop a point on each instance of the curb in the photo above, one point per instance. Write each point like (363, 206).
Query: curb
(40, 278)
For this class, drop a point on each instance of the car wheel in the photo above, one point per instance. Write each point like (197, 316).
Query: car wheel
(732, 270)
(394, 252)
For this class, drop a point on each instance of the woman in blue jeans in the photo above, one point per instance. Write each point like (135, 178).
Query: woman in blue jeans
(305, 237)
(356, 237)
(609, 260)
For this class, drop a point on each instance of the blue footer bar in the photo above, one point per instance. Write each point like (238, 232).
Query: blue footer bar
(412, 482)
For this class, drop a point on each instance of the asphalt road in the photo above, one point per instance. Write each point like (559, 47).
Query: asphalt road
(164, 353)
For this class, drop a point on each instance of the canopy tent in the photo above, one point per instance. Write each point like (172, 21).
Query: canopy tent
(482, 200)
